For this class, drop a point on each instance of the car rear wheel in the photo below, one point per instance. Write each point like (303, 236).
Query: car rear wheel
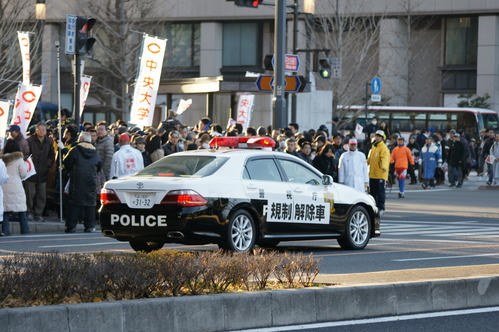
(357, 230)
(146, 246)
(241, 232)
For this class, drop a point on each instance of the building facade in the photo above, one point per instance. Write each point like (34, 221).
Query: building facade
(425, 52)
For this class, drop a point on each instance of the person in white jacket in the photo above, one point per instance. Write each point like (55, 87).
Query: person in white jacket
(4, 178)
(352, 169)
(127, 160)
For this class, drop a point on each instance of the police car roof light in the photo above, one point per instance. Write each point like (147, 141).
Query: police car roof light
(184, 198)
(108, 196)
(242, 142)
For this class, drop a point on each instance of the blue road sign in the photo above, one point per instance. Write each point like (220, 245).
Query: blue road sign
(376, 85)
(71, 34)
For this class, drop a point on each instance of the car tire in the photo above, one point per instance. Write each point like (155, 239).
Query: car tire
(146, 246)
(241, 232)
(357, 230)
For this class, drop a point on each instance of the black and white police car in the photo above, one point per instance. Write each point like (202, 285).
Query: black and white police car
(236, 198)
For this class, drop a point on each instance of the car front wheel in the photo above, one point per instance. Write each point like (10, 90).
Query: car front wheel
(241, 232)
(357, 230)
(146, 246)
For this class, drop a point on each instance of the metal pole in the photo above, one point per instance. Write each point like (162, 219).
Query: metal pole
(367, 96)
(59, 125)
(295, 47)
(278, 101)
(77, 80)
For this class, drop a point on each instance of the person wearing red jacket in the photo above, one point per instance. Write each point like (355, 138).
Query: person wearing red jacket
(401, 156)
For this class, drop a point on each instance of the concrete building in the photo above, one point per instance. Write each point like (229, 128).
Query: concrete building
(426, 53)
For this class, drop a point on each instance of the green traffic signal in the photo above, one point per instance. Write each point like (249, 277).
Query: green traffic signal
(325, 73)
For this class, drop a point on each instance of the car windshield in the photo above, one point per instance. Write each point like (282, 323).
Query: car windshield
(184, 166)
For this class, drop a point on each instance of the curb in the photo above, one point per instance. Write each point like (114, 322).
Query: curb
(233, 311)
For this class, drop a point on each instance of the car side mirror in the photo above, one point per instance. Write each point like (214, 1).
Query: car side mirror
(327, 180)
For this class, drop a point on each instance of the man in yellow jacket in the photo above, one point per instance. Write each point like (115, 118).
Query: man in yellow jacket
(379, 164)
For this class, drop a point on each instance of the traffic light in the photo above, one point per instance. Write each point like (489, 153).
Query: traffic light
(84, 39)
(248, 3)
(325, 67)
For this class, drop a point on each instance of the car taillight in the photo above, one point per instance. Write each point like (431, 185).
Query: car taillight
(184, 198)
(108, 196)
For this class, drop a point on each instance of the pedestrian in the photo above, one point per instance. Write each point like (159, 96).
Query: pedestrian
(486, 152)
(456, 161)
(334, 126)
(379, 164)
(127, 160)
(430, 158)
(291, 147)
(344, 148)
(82, 163)
(173, 145)
(384, 126)
(325, 162)
(401, 158)
(14, 197)
(4, 178)
(42, 152)
(140, 144)
(414, 147)
(153, 146)
(105, 147)
(15, 133)
(352, 169)
(494, 156)
(304, 153)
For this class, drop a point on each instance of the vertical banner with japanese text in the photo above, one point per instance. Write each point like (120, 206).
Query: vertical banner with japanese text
(25, 105)
(147, 84)
(24, 43)
(4, 115)
(85, 87)
(244, 110)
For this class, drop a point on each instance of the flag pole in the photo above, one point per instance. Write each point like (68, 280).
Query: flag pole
(59, 125)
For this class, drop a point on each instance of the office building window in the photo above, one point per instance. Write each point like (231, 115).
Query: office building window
(242, 45)
(461, 41)
(184, 44)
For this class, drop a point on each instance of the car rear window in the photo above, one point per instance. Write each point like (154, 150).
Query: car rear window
(184, 166)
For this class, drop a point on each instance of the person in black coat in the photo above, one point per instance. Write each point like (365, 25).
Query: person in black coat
(456, 160)
(82, 163)
(415, 149)
(325, 161)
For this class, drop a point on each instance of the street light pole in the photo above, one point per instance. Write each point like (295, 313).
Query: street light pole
(278, 101)
(295, 47)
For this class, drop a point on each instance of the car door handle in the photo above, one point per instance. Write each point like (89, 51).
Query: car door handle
(298, 190)
(250, 186)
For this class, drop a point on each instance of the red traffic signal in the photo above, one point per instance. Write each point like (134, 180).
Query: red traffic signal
(84, 39)
(248, 3)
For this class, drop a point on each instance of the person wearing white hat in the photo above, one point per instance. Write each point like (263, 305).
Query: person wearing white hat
(352, 169)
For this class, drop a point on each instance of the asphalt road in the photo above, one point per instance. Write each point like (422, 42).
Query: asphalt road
(432, 228)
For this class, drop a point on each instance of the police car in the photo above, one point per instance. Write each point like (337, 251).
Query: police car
(236, 198)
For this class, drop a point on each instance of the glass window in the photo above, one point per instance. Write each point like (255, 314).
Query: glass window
(263, 170)
(299, 174)
(461, 40)
(184, 44)
(241, 44)
(184, 166)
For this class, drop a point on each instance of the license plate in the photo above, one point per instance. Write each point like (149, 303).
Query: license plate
(142, 201)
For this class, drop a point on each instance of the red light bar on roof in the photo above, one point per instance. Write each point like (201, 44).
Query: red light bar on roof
(242, 142)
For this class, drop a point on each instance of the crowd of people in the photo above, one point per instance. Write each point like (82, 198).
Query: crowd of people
(95, 153)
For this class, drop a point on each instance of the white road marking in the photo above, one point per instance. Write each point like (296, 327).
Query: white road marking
(443, 257)
(375, 320)
(81, 245)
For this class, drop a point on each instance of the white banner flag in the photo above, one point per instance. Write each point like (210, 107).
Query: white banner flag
(358, 130)
(147, 84)
(30, 168)
(25, 105)
(244, 110)
(183, 105)
(24, 43)
(4, 115)
(85, 87)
